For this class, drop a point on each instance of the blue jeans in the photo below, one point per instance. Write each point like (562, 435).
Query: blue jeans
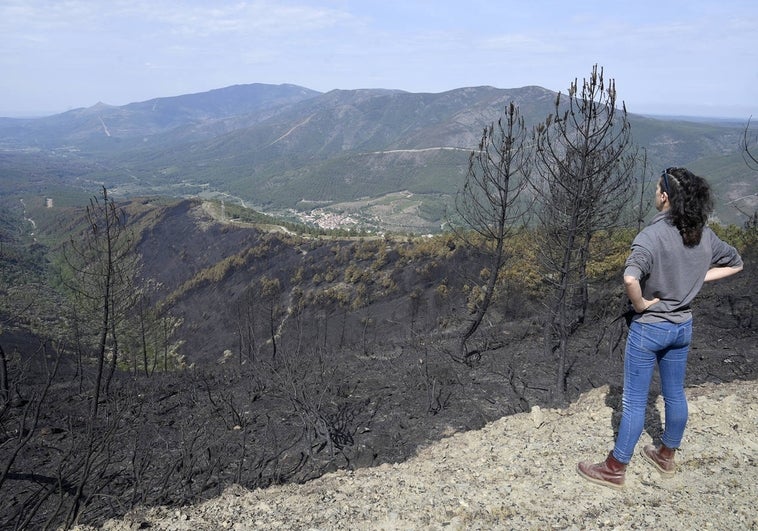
(667, 345)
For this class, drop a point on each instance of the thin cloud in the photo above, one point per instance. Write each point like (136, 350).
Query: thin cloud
(60, 54)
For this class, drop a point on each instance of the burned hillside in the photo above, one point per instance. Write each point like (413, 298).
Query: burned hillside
(299, 355)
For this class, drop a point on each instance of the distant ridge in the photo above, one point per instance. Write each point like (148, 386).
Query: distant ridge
(152, 117)
(273, 146)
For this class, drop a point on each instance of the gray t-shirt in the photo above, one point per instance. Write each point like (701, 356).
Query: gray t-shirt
(671, 271)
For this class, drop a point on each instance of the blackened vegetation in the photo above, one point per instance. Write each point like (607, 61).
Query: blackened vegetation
(294, 357)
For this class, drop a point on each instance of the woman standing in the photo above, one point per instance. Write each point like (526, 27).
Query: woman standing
(669, 261)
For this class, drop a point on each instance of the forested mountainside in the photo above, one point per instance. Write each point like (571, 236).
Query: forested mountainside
(392, 159)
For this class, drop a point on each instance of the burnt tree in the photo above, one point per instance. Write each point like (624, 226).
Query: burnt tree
(584, 179)
(491, 204)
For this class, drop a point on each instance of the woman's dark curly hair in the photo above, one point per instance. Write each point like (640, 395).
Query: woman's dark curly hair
(691, 203)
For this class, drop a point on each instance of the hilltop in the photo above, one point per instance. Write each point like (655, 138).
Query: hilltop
(518, 473)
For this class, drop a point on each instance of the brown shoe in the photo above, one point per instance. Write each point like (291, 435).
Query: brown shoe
(609, 473)
(662, 458)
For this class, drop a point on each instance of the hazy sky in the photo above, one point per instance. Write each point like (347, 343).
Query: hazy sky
(667, 56)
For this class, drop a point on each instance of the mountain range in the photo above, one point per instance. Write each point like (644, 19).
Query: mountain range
(379, 158)
(251, 354)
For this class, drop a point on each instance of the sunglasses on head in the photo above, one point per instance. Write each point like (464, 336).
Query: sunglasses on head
(665, 176)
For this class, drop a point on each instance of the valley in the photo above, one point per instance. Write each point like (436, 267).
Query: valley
(283, 147)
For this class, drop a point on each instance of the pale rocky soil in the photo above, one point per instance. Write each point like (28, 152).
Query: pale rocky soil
(518, 473)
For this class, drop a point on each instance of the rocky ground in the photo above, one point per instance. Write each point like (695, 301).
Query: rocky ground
(519, 473)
